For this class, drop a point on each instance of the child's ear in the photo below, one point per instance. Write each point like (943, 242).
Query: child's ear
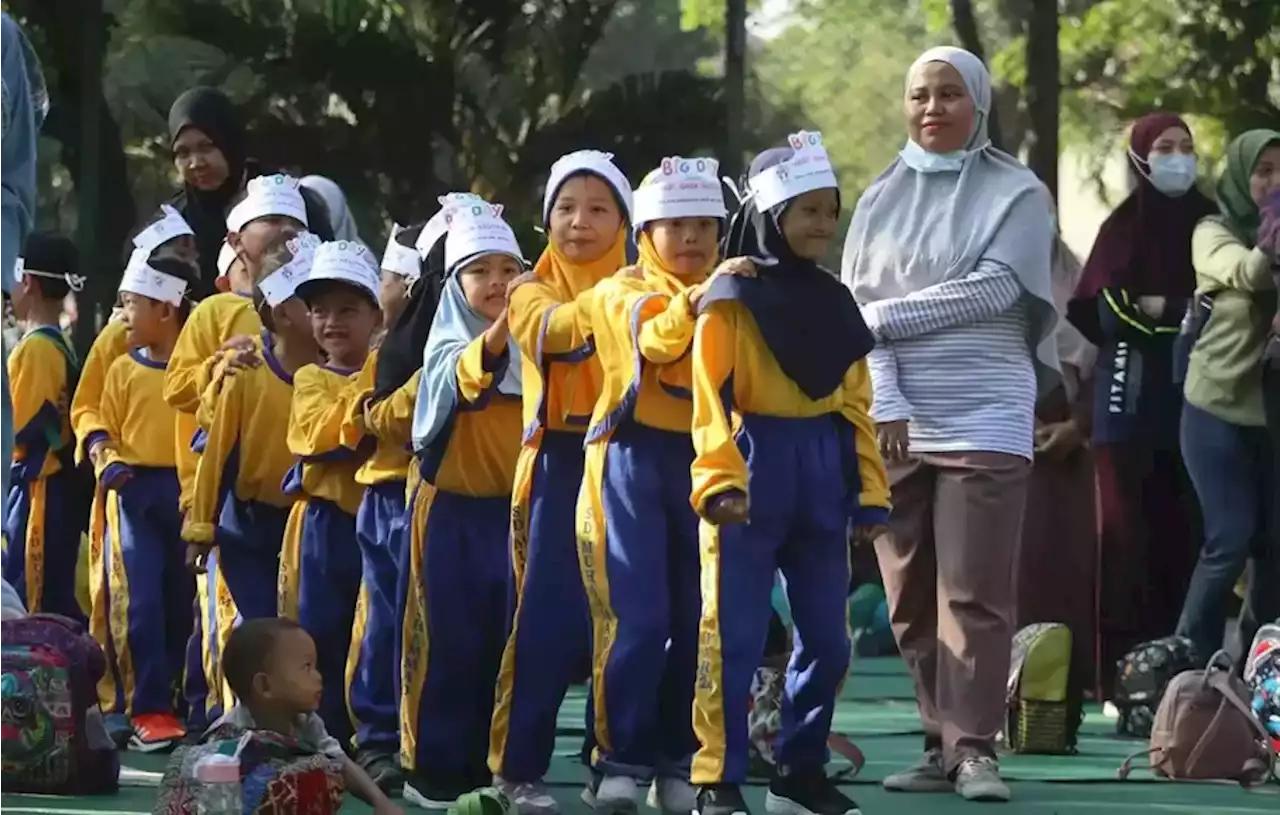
(261, 687)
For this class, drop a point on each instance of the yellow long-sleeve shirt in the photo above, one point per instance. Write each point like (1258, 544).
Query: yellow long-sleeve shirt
(211, 323)
(39, 388)
(390, 459)
(247, 426)
(642, 340)
(138, 423)
(321, 403)
(478, 457)
(110, 344)
(727, 342)
(556, 336)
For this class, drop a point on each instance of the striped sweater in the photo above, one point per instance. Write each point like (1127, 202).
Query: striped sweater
(954, 360)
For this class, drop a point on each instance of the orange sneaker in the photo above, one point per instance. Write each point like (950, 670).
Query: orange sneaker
(156, 731)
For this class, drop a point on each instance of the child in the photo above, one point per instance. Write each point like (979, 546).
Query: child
(637, 535)
(42, 516)
(250, 412)
(134, 458)
(271, 666)
(401, 268)
(784, 351)
(320, 565)
(466, 433)
(586, 208)
(168, 234)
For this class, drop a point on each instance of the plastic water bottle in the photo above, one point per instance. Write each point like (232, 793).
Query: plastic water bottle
(219, 790)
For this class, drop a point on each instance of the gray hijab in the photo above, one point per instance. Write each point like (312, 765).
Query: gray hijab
(340, 217)
(912, 229)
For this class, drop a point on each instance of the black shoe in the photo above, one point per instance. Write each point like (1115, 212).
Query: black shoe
(807, 793)
(436, 793)
(720, 799)
(383, 768)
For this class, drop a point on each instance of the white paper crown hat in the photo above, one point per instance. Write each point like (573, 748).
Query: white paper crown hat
(680, 188)
(226, 257)
(436, 228)
(168, 227)
(586, 161)
(142, 279)
(478, 229)
(283, 283)
(400, 259)
(348, 262)
(808, 169)
(269, 195)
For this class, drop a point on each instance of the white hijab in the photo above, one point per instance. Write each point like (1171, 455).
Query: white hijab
(912, 229)
(335, 200)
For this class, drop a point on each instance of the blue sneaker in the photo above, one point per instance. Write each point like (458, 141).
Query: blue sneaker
(118, 728)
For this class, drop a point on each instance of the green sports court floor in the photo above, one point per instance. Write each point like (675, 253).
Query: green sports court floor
(877, 711)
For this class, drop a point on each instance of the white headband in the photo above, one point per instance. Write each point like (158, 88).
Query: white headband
(808, 169)
(439, 224)
(348, 262)
(171, 226)
(283, 283)
(269, 195)
(75, 282)
(478, 229)
(226, 257)
(681, 188)
(588, 161)
(141, 279)
(401, 259)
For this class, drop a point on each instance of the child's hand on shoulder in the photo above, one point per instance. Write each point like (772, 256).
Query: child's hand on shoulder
(634, 271)
(238, 352)
(728, 507)
(519, 280)
(197, 557)
(740, 266)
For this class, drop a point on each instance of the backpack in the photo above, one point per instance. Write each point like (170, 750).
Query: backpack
(1044, 701)
(1262, 675)
(1205, 730)
(54, 740)
(1141, 678)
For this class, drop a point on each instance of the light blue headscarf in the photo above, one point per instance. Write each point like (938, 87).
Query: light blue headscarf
(455, 326)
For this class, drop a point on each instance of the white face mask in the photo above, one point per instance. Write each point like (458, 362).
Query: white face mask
(922, 161)
(1171, 173)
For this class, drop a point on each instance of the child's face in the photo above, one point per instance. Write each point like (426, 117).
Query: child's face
(291, 682)
(484, 283)
(393, 291)
(146, 319)
(809, 224)
(585, 219)
(252, 240)
(343, 320)
(686, 245)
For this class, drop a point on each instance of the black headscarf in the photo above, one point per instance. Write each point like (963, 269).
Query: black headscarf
(808, 319)
(212, 113)
(401, 351)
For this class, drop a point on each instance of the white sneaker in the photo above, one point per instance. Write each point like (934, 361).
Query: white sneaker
(926, 775)
(978, 779)
(530, 798)
(616, 795)
(674, 796)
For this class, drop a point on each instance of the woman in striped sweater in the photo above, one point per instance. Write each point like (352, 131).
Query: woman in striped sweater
(949, 255)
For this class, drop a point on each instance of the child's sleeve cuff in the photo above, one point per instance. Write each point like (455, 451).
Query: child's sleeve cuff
(871, 516)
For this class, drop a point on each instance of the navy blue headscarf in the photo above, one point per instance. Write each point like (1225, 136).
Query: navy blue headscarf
(808, 319)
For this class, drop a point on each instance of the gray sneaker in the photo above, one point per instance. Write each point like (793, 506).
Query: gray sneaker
(531, 798)
(978, 779)
(926, 775)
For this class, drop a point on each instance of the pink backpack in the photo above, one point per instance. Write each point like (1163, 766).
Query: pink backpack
(1205, 730)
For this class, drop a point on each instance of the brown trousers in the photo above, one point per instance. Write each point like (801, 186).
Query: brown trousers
(948, 564)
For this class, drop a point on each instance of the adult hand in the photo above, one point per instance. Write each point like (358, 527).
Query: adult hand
(1057, 440)
(894, 442)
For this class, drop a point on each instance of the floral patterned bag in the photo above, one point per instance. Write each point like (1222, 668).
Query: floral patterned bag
(277, 775)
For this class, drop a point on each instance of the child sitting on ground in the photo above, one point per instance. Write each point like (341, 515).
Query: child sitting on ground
(270, 664)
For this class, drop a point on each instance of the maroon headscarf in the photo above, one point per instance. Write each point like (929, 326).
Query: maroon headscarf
(1144, 246)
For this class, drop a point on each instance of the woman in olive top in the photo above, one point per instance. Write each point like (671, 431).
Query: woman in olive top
(1224, 437)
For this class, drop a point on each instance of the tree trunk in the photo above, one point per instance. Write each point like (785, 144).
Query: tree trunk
(965, 24)
(1042, 92)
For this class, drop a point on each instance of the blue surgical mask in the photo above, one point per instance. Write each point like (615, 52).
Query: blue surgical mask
(922, 161)
(1172, 173)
